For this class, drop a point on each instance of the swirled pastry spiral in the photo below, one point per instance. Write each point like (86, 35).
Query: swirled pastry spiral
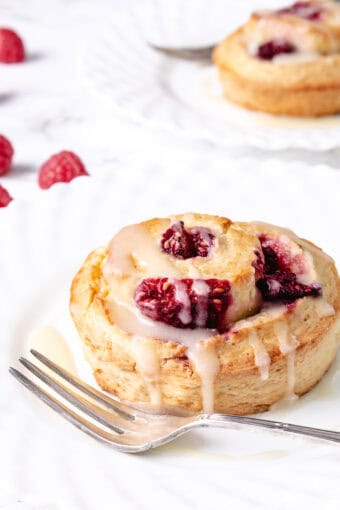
(202, 313)
(285, 61)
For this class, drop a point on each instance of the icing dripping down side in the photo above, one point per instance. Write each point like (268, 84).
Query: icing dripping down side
(129, 319)
(288, 344)
(262, 358)
(181, 295)
(148, 366)
(204, 357)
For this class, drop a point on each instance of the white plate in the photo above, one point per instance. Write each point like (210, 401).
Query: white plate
(185, 97)
(47, 463)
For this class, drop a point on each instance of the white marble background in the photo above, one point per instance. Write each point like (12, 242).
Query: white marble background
(45, 106)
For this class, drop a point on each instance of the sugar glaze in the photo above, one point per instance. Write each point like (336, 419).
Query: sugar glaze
(262, 358)
(200, 351)
(148, 366)
(288, 344)
(48, 341)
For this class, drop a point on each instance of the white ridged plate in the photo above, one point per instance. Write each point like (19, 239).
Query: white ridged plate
(47, 463)
(185, 97)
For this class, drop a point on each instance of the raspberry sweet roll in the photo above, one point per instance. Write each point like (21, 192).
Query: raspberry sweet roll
(285, 61)
(201, 313)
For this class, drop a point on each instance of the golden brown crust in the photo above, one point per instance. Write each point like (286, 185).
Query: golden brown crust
(301, 88)
(238, 387)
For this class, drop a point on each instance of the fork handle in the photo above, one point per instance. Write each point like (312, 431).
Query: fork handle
(224, 420)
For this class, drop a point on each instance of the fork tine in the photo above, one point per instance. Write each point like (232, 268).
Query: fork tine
(83, 405)
(76, 420)
(104, 400)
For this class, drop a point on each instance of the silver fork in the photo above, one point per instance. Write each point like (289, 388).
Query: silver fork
(126, 428)
(202, 53)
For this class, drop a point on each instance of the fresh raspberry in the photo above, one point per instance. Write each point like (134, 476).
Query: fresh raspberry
(12, 48)
(185, 303)
(271, 49)
(5, 197)
(185, 243)
(304, 10)
(61, 167)
(6, 155)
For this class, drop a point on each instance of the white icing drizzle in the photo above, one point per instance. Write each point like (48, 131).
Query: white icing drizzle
(322, 308)
(148, 366)
(262, 358)
(288, 344)
(181, 295)
(302, 263)
(203, 355)
(295, 58)
(309, 276)
(202, 289)
(127, 317)
(135, 241)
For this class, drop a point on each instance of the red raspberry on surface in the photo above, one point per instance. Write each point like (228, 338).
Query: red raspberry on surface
(12, 49)
(5, 197)
(6, 155)
(61, 167)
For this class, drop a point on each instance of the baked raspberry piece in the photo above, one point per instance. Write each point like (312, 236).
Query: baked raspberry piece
(185, 303)
(280, 255)
(284, 286)
(185, 243)
(5, 197)
(202, 240)
(305, 10)
(12, 49)
(258, 264)
(271, 258)
(6, 155)
(279, 281)
(61, 167)
(176, 241)
(271, 49)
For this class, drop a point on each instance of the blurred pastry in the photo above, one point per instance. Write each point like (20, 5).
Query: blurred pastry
(285, 61)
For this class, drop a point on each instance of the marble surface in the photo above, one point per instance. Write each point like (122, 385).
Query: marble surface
(46, 105)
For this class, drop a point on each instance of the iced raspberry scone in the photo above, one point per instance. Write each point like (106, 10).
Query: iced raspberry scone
(285, 61)
(201, 313)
